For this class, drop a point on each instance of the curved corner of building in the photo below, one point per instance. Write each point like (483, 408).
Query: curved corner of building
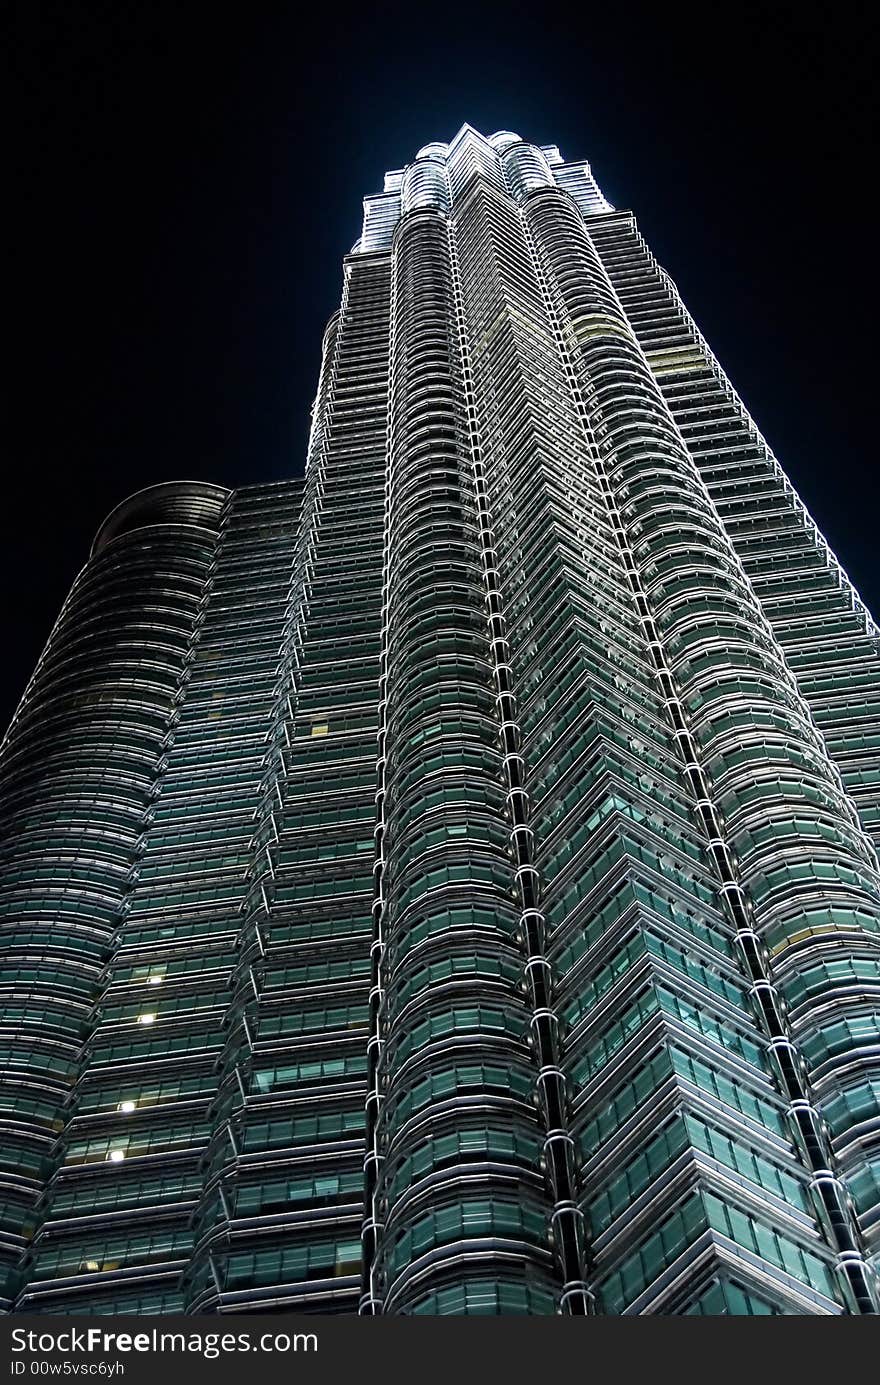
(199, 503)
(330, 331)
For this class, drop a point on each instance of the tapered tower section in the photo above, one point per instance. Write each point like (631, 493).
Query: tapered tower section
(447, 883)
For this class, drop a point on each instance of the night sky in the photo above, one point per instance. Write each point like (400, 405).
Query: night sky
(187, 177)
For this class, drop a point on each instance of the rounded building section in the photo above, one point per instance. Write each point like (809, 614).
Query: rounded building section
(526, 170)
(436, 150)
(425, 185)
(195, 504)
(503, 139)
(460, 1197)
(79, 770)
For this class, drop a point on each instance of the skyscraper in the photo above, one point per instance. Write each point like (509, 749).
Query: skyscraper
(448, 883)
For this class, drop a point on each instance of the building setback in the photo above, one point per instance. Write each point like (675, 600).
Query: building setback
(445, 883)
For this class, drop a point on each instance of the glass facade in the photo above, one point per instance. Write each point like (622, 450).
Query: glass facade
(448, 883)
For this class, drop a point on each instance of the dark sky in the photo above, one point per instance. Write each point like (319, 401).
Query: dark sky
(187, 177)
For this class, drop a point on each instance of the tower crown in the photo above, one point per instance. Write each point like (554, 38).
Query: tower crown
(440, 173)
